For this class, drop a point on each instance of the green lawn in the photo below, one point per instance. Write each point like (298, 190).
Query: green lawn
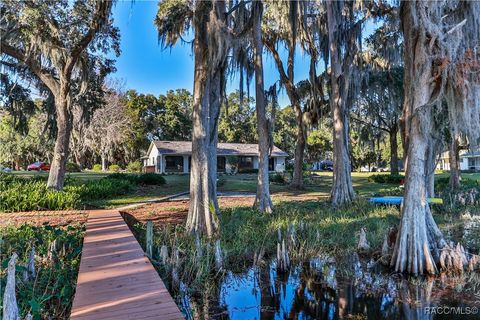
(317, 184)
(84, 175)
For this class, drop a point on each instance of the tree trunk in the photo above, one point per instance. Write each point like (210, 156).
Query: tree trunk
(297, 179)
(393, 150)
(262, 200)
(454, 159)
(419, 240)
(104, 162)
(342, 189)
(56, 177)
(216, 83)
(203, 204)
(432, 150)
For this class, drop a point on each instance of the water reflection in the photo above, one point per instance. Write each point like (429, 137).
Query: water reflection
(313, 290)
(316, 290)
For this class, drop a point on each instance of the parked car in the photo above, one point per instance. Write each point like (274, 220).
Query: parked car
(4, 169)
(326, 165)
(38, 166)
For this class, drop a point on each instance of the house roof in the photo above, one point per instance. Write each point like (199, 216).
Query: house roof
(223, 149)
(471, 154)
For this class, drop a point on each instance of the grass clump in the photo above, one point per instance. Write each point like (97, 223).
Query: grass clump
(48, 295)
(310, 228)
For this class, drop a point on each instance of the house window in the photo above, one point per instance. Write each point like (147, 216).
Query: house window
(271, 164)
(245, 163)
(471, 163)
(173, 164)
(221, 164)
(153, 160)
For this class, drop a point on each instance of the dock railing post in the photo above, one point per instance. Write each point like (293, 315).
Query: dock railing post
(149, 238)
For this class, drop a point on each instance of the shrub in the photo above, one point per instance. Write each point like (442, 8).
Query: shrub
(97, 167)
(444, 183)
(114, 168)
(23, 194)
(34, 195)
(151, 179)
(100, 189)
(386, 178)
(6, 178)
(278, 178)
(248, 170)
(134, 166)
(73, 167)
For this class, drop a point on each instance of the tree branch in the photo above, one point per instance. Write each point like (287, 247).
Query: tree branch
(287, 82)
(235, 7)
(369, 124)
(45, 76)
(101, 14)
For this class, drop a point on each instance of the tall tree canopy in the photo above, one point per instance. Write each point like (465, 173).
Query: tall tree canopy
(55, 41)
(288, 24)
(237, 120)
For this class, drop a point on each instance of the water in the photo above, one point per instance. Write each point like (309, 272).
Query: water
(325, 288)
(314, 290)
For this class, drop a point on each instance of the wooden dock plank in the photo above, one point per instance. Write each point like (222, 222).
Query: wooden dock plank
(116, 280)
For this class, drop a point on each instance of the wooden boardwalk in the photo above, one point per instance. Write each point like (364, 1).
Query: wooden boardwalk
(116, 280)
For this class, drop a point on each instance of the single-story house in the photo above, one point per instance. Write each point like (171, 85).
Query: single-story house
(469, 160)
(176, 156)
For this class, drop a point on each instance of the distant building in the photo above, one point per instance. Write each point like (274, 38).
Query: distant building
(469, 160)
(176, 157)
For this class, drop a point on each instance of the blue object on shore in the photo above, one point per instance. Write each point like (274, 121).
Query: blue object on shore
(398, 200)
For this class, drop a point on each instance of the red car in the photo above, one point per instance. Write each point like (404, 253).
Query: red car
(38, 166)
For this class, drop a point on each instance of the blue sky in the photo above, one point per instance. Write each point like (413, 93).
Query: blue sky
(144, 66)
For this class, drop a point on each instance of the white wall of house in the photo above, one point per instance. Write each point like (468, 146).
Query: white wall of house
(279, 164)
(465, 163)
(472, 163)
(158, 160)
(152, 157)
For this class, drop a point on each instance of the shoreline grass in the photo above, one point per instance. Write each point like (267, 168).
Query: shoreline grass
(49, 295)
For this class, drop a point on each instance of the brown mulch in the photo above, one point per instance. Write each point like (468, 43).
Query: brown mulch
(175, 212)
(37, 218)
